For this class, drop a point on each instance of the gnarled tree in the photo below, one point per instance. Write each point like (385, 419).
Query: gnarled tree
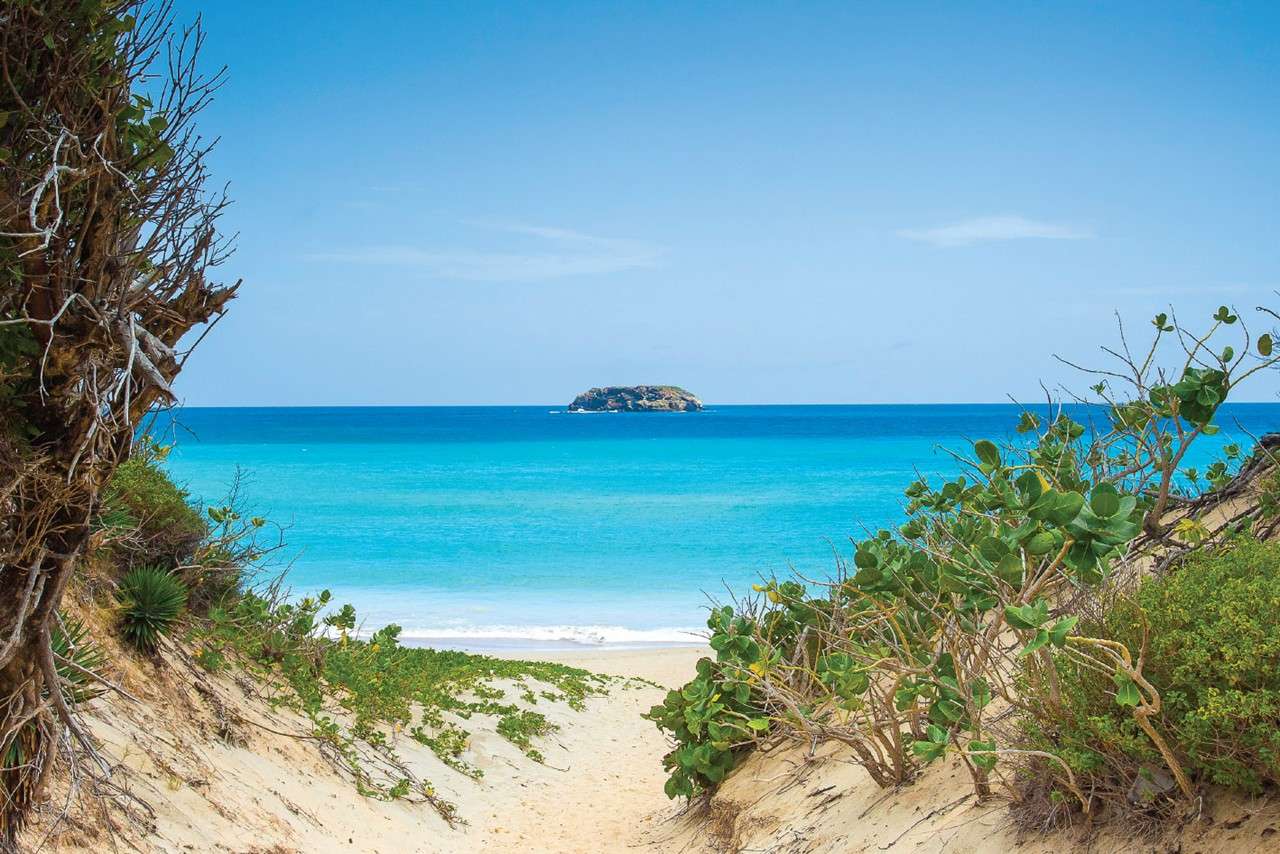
(107, 234)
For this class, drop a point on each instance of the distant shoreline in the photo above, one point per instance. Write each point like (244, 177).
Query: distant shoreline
(523, 647)
(1030, 404)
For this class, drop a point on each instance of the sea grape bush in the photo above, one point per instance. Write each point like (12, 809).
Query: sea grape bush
(714, 717)
(905, 654)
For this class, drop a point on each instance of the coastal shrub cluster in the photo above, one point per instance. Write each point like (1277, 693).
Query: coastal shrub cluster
(1207, 632)
(974, 610)
(153, 520)
(147, 520)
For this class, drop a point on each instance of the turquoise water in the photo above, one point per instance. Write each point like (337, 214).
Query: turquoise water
(486, 526)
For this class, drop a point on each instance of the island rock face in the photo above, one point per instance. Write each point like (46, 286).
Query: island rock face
(636, 398)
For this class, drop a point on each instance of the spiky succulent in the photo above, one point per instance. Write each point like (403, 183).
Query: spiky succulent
(76, 658)
(152, 600)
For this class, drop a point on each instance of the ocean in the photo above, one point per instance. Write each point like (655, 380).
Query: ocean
(529, 527)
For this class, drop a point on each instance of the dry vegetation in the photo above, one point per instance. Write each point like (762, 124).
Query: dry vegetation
(107, 236)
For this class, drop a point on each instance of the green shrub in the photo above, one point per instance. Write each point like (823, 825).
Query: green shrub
(715, 717)
(152, 600)
(902, 655)
(1213, 653)
(159, 525)
(216, 576)
(1269, 496)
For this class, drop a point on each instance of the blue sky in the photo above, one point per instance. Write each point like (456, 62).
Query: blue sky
(476, 202)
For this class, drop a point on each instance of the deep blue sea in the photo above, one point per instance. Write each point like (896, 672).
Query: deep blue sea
(491, 526)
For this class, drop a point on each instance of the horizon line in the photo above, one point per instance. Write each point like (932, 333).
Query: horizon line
(706, 406)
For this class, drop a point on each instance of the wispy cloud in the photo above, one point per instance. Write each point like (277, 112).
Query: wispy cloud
(567, 253)
(988, 228)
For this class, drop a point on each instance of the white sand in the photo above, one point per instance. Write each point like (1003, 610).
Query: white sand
(608, 795)
(263, 791)
(599, 791)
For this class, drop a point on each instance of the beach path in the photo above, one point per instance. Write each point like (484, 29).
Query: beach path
(601, 787)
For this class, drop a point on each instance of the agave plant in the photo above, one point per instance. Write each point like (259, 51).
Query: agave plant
(152, 600)
(77, 658)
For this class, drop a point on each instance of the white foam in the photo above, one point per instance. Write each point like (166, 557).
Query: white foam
(577, 635)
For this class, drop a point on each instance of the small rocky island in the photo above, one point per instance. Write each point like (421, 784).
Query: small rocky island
(636, 398)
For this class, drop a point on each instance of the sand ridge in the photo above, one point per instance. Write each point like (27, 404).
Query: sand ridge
(220, 772)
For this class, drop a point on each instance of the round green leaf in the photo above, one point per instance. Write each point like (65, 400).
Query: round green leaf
(993, 549)
(1127, 693)
(1105, 501)
(1040, 544)
(1010, 569)
(987, 452)
(1066, 508)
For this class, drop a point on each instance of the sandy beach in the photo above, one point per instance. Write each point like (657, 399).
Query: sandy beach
(667, 666)
(229, 773)
(608, 795)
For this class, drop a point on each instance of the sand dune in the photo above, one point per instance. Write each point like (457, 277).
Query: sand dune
(220, 771)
